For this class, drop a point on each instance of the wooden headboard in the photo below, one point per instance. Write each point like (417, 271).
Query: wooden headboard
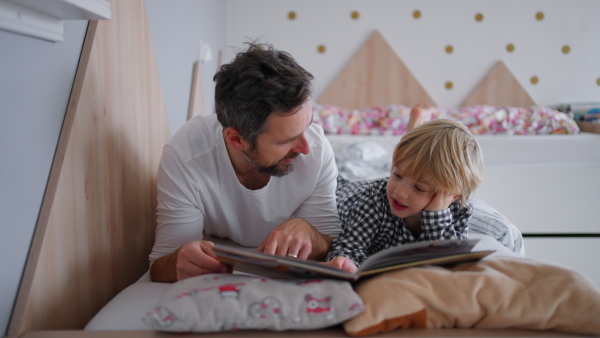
(97, 220)
(376, 76)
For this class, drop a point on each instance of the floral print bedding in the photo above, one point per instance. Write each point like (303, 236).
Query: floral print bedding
(483, 119)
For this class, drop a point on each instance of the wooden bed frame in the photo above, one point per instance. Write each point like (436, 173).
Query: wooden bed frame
(97, 221)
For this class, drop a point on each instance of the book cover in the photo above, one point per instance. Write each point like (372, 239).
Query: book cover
(439, 252)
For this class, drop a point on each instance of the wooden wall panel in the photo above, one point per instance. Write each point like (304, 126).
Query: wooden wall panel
(375, 76)
(97, 223)
(499, 88)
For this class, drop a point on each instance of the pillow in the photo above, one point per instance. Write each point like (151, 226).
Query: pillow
(489, 221)
(226, 302)
(494, 293)
(361, 161)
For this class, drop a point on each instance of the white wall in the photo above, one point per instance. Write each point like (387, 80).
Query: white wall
(421, 43)
(36, 77)
(176, 28)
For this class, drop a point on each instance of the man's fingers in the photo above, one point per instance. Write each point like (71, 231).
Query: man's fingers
(198, 258)
(270, 247)
(207, 247)
(305, 251)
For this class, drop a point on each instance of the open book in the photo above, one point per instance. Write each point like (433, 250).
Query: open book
(439, 252)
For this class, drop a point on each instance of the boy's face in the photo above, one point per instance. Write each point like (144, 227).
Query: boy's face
(406, 196)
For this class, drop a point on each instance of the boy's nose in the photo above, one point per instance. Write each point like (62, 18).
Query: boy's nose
(401, 191)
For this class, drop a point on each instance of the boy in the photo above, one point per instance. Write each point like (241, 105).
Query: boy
(435, 169)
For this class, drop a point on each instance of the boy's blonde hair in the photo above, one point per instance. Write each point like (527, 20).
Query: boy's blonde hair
(444, 154)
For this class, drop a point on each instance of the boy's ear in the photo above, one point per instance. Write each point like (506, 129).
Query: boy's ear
(233, 137)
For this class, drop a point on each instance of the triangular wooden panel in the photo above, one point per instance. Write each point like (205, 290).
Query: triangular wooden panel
(97, 221)
(499, 88)
(375, 76)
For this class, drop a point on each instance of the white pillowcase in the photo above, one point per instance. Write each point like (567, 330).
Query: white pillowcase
(227, 302)
(489, 221)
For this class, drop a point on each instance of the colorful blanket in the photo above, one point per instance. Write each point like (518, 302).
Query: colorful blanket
(392, 120)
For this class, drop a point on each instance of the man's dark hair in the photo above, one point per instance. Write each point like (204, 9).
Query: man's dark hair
(258, 82)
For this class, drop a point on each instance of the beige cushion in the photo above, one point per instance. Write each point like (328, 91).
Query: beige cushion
(499, 292)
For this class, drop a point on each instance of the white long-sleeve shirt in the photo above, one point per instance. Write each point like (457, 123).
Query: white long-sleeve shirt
(198, 191)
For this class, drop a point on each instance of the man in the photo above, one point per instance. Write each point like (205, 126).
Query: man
(258, 172)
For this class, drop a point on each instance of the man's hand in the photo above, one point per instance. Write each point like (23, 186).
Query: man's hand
(343, 263)
(441, 200)
(296, 237)
(192, 259)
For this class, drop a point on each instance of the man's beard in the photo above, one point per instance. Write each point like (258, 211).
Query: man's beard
(278, 169)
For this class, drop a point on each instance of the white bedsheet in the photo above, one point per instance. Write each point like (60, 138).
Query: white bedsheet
(511, 150)
(125, 311)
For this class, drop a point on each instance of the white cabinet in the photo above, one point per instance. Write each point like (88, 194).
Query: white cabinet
(579, 253)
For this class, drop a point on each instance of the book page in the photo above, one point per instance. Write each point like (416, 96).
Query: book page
(413, 252)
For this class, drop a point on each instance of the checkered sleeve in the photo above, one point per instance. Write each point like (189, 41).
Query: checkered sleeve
(450, 223)
(360, 210)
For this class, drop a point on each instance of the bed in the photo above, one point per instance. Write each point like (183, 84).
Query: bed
(86, 275)
(540, 169)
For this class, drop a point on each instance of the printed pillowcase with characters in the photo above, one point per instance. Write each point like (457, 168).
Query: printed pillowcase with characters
(226, 302)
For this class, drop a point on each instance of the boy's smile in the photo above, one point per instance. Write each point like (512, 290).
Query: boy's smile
(406, 196)
(398, 206)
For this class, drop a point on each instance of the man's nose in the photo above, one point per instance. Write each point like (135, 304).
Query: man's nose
(302, 146)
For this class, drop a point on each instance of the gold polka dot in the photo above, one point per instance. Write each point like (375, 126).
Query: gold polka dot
(534, 80)
(598, 81)
(448, 85)
(321, 49)
(510, 48)
(292, 15)
(416, 14)
(354, 15)
(539, 16)
(566, 49)
(478, 17)
(449, 49)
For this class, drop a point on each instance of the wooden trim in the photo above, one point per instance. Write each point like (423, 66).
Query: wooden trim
(19, 317)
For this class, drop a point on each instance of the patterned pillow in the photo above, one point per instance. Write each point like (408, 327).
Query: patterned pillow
(226, 302)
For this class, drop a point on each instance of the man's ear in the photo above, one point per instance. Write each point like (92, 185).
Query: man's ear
(233, 137)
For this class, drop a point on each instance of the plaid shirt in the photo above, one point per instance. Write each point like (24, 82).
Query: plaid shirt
(368, 225)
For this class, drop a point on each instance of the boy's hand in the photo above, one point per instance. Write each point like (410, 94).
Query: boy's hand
(343, 263)
(441, 200)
